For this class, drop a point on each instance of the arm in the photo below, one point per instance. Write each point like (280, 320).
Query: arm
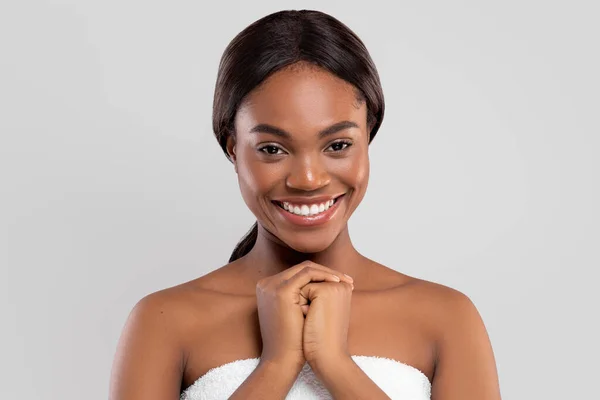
(465, 365)
(269, 380)
(346, 380)
(148, 363)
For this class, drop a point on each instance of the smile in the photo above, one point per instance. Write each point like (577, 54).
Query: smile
(309, 213)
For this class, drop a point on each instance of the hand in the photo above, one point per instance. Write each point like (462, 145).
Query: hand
(325, 337)
(281, 317)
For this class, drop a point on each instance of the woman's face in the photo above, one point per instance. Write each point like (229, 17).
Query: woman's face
(301, 144)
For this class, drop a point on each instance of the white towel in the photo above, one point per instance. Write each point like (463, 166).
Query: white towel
(398, 380)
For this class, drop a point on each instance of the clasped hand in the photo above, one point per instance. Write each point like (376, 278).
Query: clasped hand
(304, 314)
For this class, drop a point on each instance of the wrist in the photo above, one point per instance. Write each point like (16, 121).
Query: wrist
(284, 364)
(324, 364)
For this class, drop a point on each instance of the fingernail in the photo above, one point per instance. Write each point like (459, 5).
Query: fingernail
(337, 278)
(349, 277)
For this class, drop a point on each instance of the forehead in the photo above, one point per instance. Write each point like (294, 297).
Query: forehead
(300, 97)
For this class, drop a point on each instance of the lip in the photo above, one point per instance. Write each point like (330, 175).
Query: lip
(308, 220)
(308, 200)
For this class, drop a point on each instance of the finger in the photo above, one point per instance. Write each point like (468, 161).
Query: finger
(311, 291)
(310, 274)
(341, 275)
(290, 272)
(304, 309)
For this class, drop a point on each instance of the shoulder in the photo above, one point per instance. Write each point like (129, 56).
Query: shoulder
(445, 308)
(437, 307)
(464, 359)
(163, 309)
(149, 359)
(191, 307)
(153, 349)
(440, 308)
(158, 317)
(183, 307)
(440, 298)
(434, 297)
(171, 314)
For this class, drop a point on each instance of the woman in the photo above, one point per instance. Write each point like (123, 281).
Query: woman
(298, 311)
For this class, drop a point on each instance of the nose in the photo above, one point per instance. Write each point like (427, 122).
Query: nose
(307, 174)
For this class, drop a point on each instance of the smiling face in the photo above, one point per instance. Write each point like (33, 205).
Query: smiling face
(301, 155)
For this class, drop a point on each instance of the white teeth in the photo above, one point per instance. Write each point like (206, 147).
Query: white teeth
(305, 209)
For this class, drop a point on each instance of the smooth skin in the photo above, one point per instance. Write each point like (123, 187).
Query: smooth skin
(303, 132)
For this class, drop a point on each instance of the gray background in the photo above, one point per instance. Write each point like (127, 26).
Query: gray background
(112, 186)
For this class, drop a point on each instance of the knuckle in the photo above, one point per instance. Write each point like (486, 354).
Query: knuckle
(308, 270)
(341, 288)
(281, 285)
(262, 283)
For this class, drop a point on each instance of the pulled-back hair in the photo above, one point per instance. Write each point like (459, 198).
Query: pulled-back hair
(279, 40)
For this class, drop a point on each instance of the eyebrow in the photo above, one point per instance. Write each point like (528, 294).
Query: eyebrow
(266, 128)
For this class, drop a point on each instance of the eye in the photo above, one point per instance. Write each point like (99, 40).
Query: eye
(340, 145)
(270, 149)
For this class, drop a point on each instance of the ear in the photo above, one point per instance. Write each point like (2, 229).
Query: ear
(230, 147)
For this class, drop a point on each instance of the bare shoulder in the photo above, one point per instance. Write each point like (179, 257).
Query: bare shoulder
(180, 312)
(149, 360)
(465, 365)
(164, 316)
(188, 306)
(440, 307)
(171, 307)
(444, 307)
(163, 330)
(435, 297)
(440, 299)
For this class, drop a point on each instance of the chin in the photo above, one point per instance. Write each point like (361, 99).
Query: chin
(309, 245)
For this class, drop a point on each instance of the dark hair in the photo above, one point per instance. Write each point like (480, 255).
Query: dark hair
(279, 40)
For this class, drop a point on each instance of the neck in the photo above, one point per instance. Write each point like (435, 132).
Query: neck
(272, 256)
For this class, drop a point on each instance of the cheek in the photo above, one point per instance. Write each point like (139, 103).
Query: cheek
(362, 170)
(355, 172)
(256, 178)
(361, 181)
